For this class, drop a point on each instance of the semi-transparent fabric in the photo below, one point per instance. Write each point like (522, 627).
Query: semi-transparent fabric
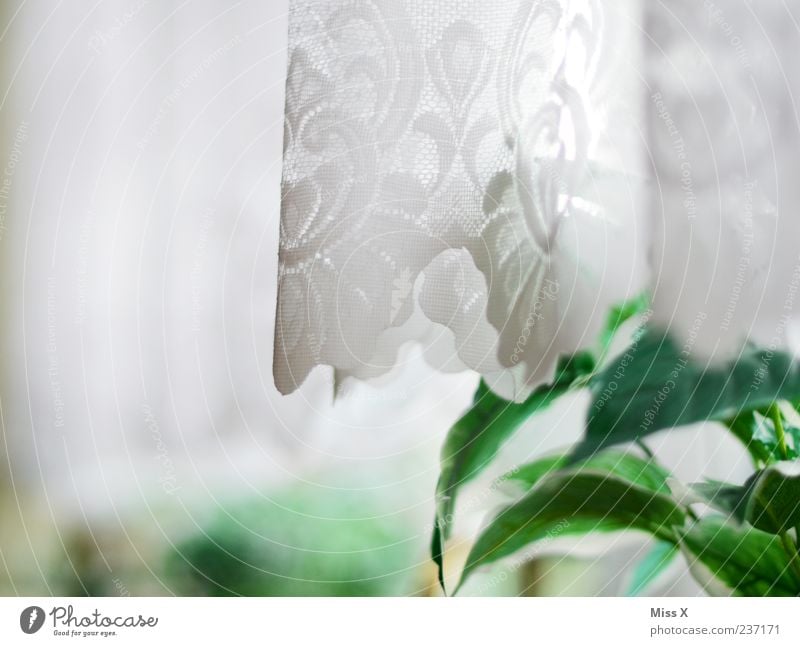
(725, 141)
(461, 173)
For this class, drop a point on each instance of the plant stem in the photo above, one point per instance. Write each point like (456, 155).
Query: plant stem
(791, 552)
(780, 433)
(792, 548)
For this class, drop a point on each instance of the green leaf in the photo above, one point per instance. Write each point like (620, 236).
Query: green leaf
(746, 561)
(728, 498)
(621, 314)
(477, 437)
(645, 473)
(654, 385)
(642, 472)
(748, 427)
(756, 431)
(437, 553)
(773, 504)
(612, 493)
(529, 474)
(651, 566)
(769, 500)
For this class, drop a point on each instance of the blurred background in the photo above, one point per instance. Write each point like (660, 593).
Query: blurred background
(145, 449)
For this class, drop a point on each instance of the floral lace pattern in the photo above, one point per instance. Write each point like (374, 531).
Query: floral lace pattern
(457, 173)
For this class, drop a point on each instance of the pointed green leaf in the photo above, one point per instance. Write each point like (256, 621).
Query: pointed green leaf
(643, 472)
(744, 560)
(529, 474)
(437, 553)
(476, 438)
(621, 314)
(651, 566)
(773, 504)
(654, 386)
(757, 432)
(625, 465)
(723, 496)
(588, 493)
(749, 428)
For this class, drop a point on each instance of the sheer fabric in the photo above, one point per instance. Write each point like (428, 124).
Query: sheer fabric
(725, 141)
(492, 176)
(465, 174)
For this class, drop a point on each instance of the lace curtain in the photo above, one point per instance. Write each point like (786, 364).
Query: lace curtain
(488, 178)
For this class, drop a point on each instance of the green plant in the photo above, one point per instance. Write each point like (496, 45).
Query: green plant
(740, 539)
(302, 542)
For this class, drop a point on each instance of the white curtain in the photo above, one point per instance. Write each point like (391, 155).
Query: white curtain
(138, 248)
(487, 178)
(724, 91)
